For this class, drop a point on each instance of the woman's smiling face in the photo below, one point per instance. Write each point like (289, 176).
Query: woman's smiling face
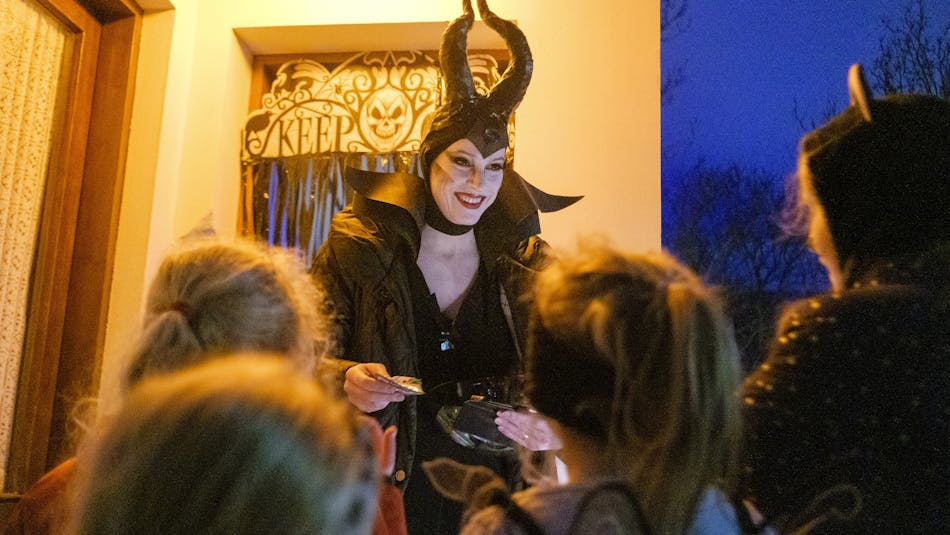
(464, 184)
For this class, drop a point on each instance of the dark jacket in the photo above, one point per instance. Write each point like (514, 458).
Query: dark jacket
(363, 268)
(852, 408)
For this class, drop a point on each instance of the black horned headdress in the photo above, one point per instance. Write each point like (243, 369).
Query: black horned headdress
(483, 120)
(465, 113)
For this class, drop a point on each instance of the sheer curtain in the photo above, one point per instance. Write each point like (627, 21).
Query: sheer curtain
(289, 201)
(32, 45)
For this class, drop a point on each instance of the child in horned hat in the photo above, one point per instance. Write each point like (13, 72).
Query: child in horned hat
(848, 420)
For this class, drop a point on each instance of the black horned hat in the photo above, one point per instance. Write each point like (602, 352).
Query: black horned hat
(465, 113)
(481, 119)
(484, 119)
(881, 172)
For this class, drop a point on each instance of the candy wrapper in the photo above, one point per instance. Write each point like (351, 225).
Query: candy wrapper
(411, 386)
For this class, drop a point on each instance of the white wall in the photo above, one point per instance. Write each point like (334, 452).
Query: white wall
(589, 124)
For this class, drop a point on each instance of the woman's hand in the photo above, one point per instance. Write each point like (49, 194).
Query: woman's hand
(365, 392)
(529, 429)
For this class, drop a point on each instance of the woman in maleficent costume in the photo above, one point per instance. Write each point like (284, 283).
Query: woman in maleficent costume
(426, 279)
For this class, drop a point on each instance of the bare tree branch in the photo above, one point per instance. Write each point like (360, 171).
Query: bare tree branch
(725, 223)
(829, 110)
(673, 18)
(914, 53)
(674, 21)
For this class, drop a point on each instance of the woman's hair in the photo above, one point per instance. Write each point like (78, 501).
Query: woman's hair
(236, 445)
(213, 297)
(634, 352)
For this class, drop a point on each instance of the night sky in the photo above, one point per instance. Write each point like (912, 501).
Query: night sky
(747, 62)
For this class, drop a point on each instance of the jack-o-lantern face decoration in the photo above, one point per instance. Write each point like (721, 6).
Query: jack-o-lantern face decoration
(386, 118)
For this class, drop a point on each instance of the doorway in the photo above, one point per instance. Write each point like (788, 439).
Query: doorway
(59, 277)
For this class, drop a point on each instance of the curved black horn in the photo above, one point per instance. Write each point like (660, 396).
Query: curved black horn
(453, 58)
(508, 92)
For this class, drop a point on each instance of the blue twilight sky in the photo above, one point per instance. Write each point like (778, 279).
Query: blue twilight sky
(746, 62)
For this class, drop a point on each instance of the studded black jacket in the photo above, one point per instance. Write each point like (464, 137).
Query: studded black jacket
(848, 419)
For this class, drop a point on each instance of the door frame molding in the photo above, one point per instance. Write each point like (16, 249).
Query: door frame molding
(76, 242)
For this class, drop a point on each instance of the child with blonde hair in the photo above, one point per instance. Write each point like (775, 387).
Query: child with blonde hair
(632, 360)
(238, 445)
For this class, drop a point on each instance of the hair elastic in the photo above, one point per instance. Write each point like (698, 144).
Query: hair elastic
(182, 308)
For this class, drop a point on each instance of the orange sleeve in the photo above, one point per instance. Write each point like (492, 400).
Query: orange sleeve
(390, 512)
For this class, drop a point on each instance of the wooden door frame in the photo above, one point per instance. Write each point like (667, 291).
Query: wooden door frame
(76, 242)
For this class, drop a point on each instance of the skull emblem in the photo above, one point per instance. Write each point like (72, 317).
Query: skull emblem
(385, 118)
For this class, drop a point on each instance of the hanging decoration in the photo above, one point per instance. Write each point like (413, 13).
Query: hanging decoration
(371, 111)
(372, 102)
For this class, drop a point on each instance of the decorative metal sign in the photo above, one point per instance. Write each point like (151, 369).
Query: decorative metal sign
(376, 102)
(369, 112)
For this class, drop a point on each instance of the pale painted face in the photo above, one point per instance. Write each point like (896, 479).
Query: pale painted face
(463, 183)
